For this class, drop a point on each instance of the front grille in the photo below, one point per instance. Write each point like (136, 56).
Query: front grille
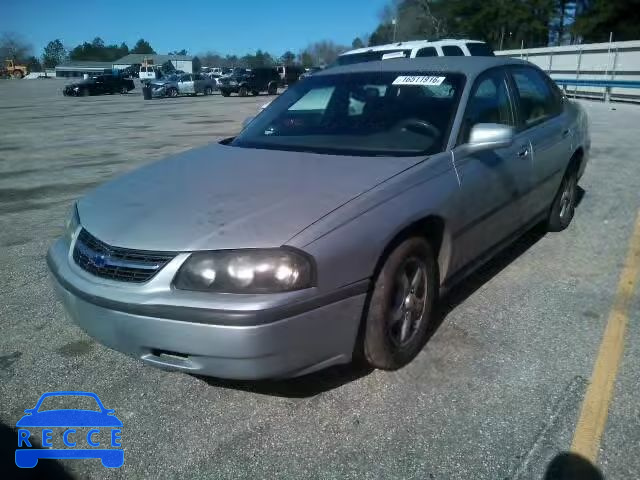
(116, 263)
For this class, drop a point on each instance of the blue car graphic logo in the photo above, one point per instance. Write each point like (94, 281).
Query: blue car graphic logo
(100, 423)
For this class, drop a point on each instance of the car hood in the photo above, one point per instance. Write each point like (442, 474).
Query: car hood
(80, 83)
(223, 197)
(162, 83)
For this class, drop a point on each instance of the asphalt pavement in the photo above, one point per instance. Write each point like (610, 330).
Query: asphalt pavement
(495, 393)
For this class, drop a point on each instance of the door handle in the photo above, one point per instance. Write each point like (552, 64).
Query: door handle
(565, 133)
(524, 151)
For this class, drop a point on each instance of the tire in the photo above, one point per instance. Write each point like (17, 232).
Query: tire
(243, 91)
(564, 203)
(124, 90)
(272, 89)
(208, 91)
(17, 74)
(225, 93)
(172, 92)
(401, 305)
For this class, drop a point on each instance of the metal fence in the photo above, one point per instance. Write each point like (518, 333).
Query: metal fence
(609, 71)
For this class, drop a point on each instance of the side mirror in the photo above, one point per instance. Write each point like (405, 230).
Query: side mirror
(247, 121)
(489, 136)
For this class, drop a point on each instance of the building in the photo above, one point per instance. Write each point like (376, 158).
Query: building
(81, 68)
(180, 62)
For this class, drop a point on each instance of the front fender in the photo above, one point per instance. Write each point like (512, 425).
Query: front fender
(348, 243)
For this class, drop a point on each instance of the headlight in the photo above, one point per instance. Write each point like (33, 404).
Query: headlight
(245, 271)
(72, 224)
(76, 88)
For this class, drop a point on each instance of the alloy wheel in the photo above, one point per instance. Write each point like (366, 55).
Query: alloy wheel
(409, 301)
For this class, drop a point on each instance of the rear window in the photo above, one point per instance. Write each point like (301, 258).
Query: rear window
(369, 56)
(480, 50)
(452, 51)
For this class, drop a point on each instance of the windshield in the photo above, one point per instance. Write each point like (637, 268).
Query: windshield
(370, 113)
(352, 58)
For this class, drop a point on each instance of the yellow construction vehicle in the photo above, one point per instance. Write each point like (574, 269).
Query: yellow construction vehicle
(10, 69)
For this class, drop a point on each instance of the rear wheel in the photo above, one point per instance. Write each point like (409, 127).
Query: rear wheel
(401, 305)
(225, 93)
(124, 90)
(564, 204)
(243, 91)
(272, 89)
(172, 92)
(17, 74)
(208, 91)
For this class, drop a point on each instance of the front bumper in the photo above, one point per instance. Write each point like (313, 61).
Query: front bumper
(293, 345)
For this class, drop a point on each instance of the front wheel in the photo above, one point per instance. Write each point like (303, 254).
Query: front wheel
(208, 91)
(225, 93)
(124, 90)
(272, 89)
(401, 305)
(564, 203)
(243, 91)
(173, 92)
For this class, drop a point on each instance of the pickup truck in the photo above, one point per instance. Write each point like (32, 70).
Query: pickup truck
(184, 84)
(99, 85)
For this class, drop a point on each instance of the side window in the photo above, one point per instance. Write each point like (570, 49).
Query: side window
(537, 102)
(488, 103)
(186, 78)
(427, 52)
(197, 76)
(452, 51)
(480, 49)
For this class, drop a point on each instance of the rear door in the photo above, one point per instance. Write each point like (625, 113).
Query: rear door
(543, 119)
(185, 84)
(198, 83)
(492, 182)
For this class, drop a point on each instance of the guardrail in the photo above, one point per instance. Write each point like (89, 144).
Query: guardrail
(606, 84)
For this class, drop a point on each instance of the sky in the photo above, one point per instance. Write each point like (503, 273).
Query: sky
(224, 26)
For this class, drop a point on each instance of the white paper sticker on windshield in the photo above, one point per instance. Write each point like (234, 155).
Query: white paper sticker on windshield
(387, 56)
(417, 80)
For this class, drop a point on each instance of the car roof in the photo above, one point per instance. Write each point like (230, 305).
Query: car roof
(469, 66)
(410, 45)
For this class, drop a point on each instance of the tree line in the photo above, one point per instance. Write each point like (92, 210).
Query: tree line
(508, 24)
(505, 24)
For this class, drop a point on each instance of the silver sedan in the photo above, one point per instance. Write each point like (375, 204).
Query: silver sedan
(328, 228)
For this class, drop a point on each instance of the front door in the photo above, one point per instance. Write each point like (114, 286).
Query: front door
(492, 182)
(186, 85)
(543, 119)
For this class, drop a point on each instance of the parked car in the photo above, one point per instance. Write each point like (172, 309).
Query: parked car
(330, 225)
(185, 84)
(417, 49)
(99, 85)
(149, 73)
(310, 71)
(214, 78)
(254, 81)
(289, 74)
